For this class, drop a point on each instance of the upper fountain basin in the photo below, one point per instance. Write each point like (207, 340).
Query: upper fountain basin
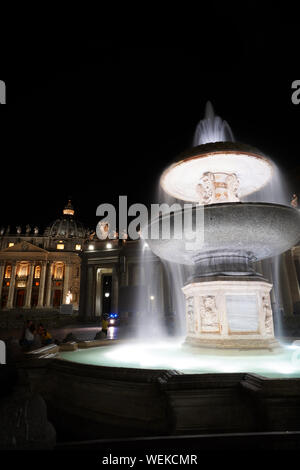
(261, 230)
(251, 167)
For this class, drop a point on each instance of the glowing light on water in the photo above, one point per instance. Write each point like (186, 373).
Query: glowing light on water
(170, 354)
(212, 128)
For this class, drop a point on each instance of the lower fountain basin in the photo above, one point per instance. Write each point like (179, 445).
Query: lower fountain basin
(238, 233)
(171, 355)
(133, 390)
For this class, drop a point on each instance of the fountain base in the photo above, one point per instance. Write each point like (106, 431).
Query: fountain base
(229, 313)
(258, 344)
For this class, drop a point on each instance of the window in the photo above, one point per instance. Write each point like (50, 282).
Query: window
(78, 247)
(60, 246)
(58, 271)
(11, 244)
(37, 272)
(8, 272)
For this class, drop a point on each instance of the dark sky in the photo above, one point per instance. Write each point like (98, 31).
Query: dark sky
(95, 119)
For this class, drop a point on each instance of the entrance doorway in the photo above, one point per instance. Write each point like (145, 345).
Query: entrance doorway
(106, 294)
(104, 291)
(34, 296)
(57, 298)
(20, 298)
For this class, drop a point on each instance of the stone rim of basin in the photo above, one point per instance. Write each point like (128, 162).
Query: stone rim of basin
(252, 169)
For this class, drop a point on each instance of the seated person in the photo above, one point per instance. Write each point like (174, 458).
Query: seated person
(46, 337)
(29, 336)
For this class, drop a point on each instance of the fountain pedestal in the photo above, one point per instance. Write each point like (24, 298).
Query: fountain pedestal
(230, 313)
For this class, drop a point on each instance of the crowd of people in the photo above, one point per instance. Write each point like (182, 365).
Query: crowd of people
(32, 335)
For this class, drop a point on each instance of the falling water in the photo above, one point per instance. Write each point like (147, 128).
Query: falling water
(212, 128)
(176, 279)
(150, 320)
(276, 264)
(275, 192)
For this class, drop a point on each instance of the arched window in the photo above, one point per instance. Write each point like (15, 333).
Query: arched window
(58, 270)
(8, 271)
(37, 272)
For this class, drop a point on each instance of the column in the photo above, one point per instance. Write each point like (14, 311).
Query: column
(49, 284)
(42, 285)
(83, 293)
(98, 296)
(29, 286)
(115, 290)
(66, 282)
(90, 288)
(2, 268)
(11, 291)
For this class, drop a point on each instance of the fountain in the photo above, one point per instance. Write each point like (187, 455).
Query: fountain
(231, 375)
(227, 301)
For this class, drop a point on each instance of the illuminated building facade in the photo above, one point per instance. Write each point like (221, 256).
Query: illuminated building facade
(42, 270)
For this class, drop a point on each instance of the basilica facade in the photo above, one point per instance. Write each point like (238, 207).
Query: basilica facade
(42, 270)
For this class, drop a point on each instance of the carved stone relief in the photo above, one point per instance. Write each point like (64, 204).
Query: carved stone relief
(209, 314)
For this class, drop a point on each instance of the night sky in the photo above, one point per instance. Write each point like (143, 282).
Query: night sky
(93, 118)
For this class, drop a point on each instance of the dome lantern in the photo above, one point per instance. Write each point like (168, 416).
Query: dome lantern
(69, 209)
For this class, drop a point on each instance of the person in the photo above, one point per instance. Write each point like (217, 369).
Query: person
(104, 325)
(45, 336)
(26, 325)
(29, 335)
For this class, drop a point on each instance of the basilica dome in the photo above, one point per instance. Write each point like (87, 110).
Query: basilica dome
(66, 226)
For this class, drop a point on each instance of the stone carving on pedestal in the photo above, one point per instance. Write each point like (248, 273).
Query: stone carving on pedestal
(209, 314)
(190, 314)
(268, 315)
